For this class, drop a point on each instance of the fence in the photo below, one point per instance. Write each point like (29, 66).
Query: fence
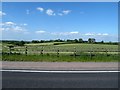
(74, 51)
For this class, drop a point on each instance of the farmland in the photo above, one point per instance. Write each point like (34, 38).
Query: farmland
(59, 52)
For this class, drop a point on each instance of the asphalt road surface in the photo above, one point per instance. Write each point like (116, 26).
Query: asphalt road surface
(59, 80)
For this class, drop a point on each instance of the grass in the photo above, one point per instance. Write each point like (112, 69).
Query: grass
(65, 52)
(36, 48)
(61, 58)
(64, 47)
(39, 44)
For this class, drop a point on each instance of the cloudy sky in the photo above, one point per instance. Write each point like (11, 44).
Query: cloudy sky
(67, 20)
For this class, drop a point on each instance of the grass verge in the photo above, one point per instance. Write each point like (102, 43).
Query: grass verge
(61, 58)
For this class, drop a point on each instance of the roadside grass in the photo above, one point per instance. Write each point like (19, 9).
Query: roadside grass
(61, 58)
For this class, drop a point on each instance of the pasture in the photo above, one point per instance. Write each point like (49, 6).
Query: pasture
(53, 52)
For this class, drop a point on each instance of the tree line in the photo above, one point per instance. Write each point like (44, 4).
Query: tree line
(80, 40)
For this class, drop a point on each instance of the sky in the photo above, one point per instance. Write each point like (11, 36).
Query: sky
(59, 20)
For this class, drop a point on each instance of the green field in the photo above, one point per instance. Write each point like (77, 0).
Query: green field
(61, 52)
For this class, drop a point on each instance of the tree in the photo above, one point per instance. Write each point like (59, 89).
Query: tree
(68, 40)
(102, 41)
(35, 41)
(19, 43)
(59, 40)
(91, 40)
(80, 40)
(42, 41)
(76, 41)
(22, 43)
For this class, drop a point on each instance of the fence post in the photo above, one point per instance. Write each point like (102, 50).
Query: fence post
(58, 53)
(19, 51)
(74, 51)
(26, 50)
(106, 52)
(10, 49)
(91, 53)
(42, 51)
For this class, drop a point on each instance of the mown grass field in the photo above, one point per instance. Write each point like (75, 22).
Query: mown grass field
(62, 52)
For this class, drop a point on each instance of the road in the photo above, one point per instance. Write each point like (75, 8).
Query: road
(59, 80)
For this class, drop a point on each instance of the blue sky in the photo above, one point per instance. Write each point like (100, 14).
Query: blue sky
(59, 20)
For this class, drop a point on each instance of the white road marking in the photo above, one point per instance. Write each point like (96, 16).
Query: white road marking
(68, 71)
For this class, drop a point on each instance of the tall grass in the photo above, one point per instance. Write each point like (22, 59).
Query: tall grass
(61, 58)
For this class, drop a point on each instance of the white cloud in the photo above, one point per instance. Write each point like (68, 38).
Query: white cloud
(99, 34)
(104, 34)
(50, 12)
(66, 12)
(11, 26)
(25, 24)
(2, 13)
(18, 28)
(40, 32)
(40, 9)
(76, 32)
(89, 34)
(60, 14)
(94, 34)
(14, 29)
(60, 33)
(9, 23)
(64, 33)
